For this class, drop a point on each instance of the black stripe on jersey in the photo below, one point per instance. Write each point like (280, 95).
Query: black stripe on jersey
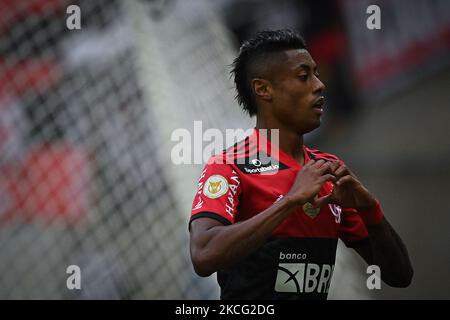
(246, 153)
(237, 147)
(242, 147)
(312, 156)
(212, 215)
(249, 150)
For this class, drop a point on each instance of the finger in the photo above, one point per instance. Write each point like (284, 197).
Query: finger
(334, 166)
(347, 169)
(344, 180)
(326, 168)
(319, 163)
(328, 177)
(341, 171)
(309, 163)
(323, 200)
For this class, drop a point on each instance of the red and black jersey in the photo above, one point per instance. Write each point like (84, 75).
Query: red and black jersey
(297, 261)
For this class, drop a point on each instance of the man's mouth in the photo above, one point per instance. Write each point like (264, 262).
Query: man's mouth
(319, 102)
(318, 105)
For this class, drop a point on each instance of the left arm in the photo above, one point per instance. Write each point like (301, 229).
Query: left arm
(385, 248)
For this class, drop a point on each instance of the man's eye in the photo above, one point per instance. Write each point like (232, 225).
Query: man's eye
(303, 77)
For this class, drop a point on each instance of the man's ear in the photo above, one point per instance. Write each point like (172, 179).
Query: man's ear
(262, 88)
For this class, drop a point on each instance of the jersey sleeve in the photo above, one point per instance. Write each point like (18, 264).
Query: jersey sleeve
(352, 229)
(218, 192)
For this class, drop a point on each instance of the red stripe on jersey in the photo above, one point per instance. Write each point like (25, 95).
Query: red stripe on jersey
(242, 145)
(236, 146)
(243, 149)
(247, 150)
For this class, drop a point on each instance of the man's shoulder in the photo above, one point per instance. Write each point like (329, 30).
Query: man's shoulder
(241, 149)
(317, 154)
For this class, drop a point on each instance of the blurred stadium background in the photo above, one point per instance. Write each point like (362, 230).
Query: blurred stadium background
(86, 118)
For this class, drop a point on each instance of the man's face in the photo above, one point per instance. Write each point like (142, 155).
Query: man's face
(297, 91)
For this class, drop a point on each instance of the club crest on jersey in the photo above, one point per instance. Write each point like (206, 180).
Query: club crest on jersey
(215, 186)
(310, 210)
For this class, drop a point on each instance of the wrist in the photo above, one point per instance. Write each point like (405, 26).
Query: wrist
(292, 202)
(373, 214)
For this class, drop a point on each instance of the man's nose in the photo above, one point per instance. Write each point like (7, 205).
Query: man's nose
(319, 87)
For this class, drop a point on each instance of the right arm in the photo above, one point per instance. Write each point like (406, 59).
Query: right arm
(215, 246)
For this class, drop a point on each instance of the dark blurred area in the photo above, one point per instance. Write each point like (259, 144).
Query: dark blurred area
(359, 66)
(322, 26)
(86, 118)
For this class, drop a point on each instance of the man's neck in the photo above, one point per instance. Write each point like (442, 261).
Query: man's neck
(290, 142)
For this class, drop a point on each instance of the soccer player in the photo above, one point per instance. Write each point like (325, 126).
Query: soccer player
(269, 210)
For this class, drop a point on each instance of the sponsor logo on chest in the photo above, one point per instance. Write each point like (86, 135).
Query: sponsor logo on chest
(302, 277)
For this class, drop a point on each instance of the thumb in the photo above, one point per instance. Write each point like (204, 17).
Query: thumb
(323, 200)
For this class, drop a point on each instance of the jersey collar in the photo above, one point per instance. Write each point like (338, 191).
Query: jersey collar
(272, 150)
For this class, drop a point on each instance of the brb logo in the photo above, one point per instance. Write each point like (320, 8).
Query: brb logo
(303, 277)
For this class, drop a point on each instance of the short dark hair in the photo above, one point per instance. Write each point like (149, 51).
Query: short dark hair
(254, 53)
